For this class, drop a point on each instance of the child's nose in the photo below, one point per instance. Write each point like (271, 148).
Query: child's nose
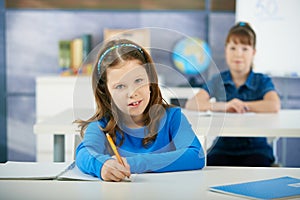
(132, 91)
(238, 52)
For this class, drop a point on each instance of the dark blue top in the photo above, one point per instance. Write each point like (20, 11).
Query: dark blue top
(176, 147)
(255, 87)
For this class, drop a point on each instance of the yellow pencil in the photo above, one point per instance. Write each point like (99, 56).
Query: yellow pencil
(114, 148)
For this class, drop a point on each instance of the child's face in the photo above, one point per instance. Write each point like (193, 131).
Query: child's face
(129, 87)
(239, 57)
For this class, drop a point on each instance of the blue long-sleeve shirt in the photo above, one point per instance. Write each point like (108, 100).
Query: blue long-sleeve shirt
(176, 147)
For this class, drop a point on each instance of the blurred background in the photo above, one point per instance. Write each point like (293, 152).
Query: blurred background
(30, 32)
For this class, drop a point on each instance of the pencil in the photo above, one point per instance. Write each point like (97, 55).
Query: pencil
(114, 148)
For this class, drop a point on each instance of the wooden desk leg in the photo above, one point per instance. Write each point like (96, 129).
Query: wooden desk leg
(77, 141)
(205, 149)
(44, 146)
(59, 148)
(275, 151)
(284, 151)
(70, 146)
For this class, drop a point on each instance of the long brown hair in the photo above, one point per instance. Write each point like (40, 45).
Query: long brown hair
(111, 54)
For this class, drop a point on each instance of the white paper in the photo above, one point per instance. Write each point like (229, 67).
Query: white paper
(43, 170)
(31, 170)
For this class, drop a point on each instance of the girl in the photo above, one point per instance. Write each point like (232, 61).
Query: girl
(151, 136)
(245, 91)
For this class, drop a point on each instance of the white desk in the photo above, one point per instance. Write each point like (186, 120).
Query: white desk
(54, 95)
(177, 185)
(283, 124)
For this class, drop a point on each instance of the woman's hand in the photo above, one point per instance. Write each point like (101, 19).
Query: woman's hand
(236, 105)
(112, 170)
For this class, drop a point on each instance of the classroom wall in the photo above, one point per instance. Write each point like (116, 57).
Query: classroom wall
(3, 125)
(32, 50)
(277, 54)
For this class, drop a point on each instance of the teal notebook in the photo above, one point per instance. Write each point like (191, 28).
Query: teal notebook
(283, 187)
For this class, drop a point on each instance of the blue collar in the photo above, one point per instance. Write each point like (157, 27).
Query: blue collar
(227, 79)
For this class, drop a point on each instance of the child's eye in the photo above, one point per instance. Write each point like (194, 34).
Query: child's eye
(245, 49)
(119, 86)
(139, 80)
(232, 48)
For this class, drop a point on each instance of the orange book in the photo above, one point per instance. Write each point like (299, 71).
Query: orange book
(76, 54)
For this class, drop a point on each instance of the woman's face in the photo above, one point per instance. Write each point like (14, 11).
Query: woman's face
(129, 87)
(239, 57)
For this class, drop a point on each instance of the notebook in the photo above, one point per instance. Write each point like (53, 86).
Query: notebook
(282, 187)
(43, 171)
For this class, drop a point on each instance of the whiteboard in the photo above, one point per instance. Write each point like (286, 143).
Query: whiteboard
(277, 26)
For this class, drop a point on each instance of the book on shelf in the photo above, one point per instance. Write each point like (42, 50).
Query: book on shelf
(64, 60)
(86, 49)
(140, 36)
(76, 54)
(72, 54)
(86, 45)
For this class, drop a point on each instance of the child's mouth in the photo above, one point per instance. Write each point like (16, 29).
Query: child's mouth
(134, 104)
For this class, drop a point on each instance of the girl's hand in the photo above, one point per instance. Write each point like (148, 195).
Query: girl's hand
(112, 170)
(236, 105)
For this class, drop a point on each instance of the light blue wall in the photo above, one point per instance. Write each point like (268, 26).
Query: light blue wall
(32, 37)
(32, 50)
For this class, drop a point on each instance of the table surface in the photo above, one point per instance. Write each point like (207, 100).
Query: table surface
(175, 185)
(282, 124)
(285, 123)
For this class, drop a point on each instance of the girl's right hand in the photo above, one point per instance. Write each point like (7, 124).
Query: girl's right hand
(112, 170)
(236, 105)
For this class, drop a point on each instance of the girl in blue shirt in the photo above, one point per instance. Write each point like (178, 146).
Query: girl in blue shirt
(239, 90)
(151, 135)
